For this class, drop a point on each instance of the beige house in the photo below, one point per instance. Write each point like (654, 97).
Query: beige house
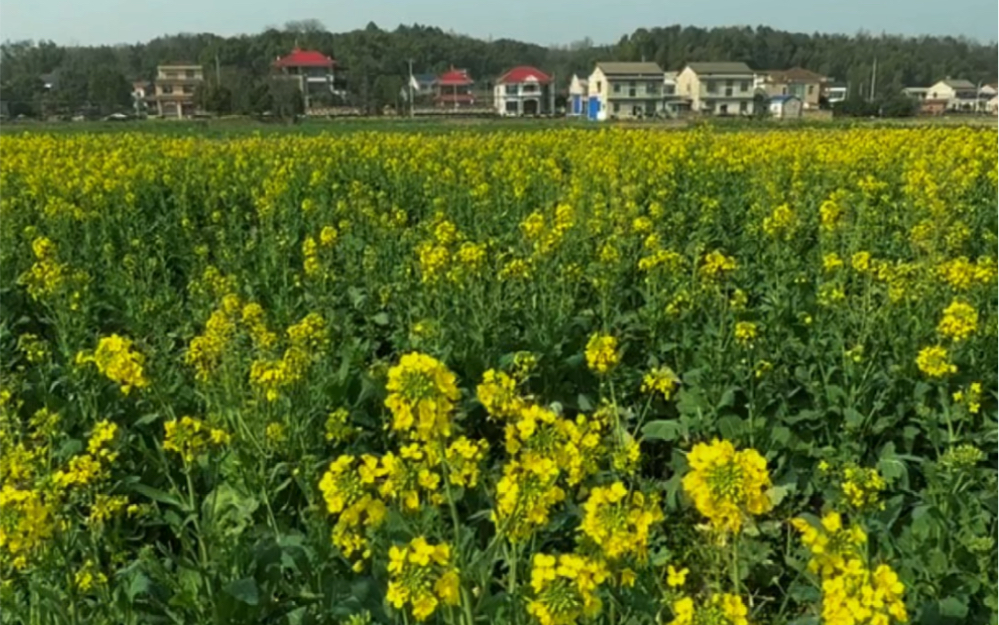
(807, 86)
(625, 91)
(175, 86)
(717, 88)
(960, 95)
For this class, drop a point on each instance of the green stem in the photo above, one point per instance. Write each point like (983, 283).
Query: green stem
(735, 564)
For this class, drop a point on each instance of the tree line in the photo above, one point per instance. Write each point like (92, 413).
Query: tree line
(376, 61)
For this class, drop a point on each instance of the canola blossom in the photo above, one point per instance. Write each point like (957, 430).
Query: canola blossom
(553, 377)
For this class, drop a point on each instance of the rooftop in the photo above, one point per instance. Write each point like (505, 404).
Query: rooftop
(304, 58)
(629, 69)
(455, 77)
(725, 67)
(958, 83)
(524, 73)
(795, 74)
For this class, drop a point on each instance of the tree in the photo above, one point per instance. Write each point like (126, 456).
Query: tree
(108, 90)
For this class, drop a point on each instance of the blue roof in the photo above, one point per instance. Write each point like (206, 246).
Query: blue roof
(784, 98)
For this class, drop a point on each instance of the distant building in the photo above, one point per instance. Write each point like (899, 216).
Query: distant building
(143, 96)
(960, 95)
(422, 85)
(523, 90)
(314, 73)
(717, 88)
(993, 105)
(576, 106)
(673, 104)
(916, 93)
(807, 86)
(836, 92)
(786, 106)
(175, 86)
(454, 89)
(624, 91)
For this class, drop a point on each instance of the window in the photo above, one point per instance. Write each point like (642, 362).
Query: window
(811, 89)
(600, 86)
(669, 89)
(743, 106)
(617, 107)
(511, 89)
(617, 88)
(783, 90)
(167, 89)
(712, 87)
(650, 87)
(723, 109)
(744, 85)
(728, 92)
(631, 92)
(189, 73)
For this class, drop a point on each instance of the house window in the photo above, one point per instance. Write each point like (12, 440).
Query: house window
(511, 89)
(600, 86)
(617, 107)
(811, 89)
(650, 87)
(167, 89)
(723, 109)
(743, 106)
(744, 85)
(669, 90)
(783, 90)
(189, 73)
(712, 87)
(631, 92)
(617, 88)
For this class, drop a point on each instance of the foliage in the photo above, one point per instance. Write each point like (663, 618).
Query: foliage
(623, 376)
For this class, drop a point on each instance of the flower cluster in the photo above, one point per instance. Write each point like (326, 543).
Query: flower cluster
(852, 593)
(422, 575)
(862, 487)
(727, 486)
(349, 489)
(306, 339)
(662, 380)
(565, 588)
(718, 609)
(935, 362)
(115, 358)
(190, 437)
(422, 394)
(618, 521)
(46, 274)
(602, 353)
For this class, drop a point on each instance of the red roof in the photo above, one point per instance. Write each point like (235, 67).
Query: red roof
(524, 73)
(305, 58)
(455, 77)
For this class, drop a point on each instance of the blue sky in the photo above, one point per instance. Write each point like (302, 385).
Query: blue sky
(545, 22)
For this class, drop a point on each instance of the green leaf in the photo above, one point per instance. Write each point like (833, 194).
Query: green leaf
(157, 495)
(584, 403)
(956, 607)
(380, 319)
(730, 426)
(244, 590)
(662, 430)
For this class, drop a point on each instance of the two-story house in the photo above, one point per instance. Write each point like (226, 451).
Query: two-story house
(959, 95)
(175, 85)
(624, 91)
(673, 104)
(717, 88)
(805, 85)
(523, 90)
(454, 89)
(313, 72)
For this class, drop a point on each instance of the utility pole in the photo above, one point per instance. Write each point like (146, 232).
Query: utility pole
(412, 110)
(874, 78)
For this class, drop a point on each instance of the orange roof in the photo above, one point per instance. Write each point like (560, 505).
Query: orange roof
(455, 77)
(524, 73)
(305, 58)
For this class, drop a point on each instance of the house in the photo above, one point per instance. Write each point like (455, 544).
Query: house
(961, 95)
(422, 85)
(988, 90)
(916, 93)
(836, 92)
(577, 96)
(717, 88)
(454, 89)
(143, 96)
(673, 104)
(314, 73)
(808, 86)
(786, 106)
(624, 91)
(993, 105)
(175, 85)
(523, 90)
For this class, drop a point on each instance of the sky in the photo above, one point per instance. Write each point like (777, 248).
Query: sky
(91, 22)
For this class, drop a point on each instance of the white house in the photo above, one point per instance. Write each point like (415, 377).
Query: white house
(960, 95)
(993, 105)
(576, 106)
(717, 88)
(785, 106)
(624, 91)
(672, 102)
(836, 93)
(523, 90)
